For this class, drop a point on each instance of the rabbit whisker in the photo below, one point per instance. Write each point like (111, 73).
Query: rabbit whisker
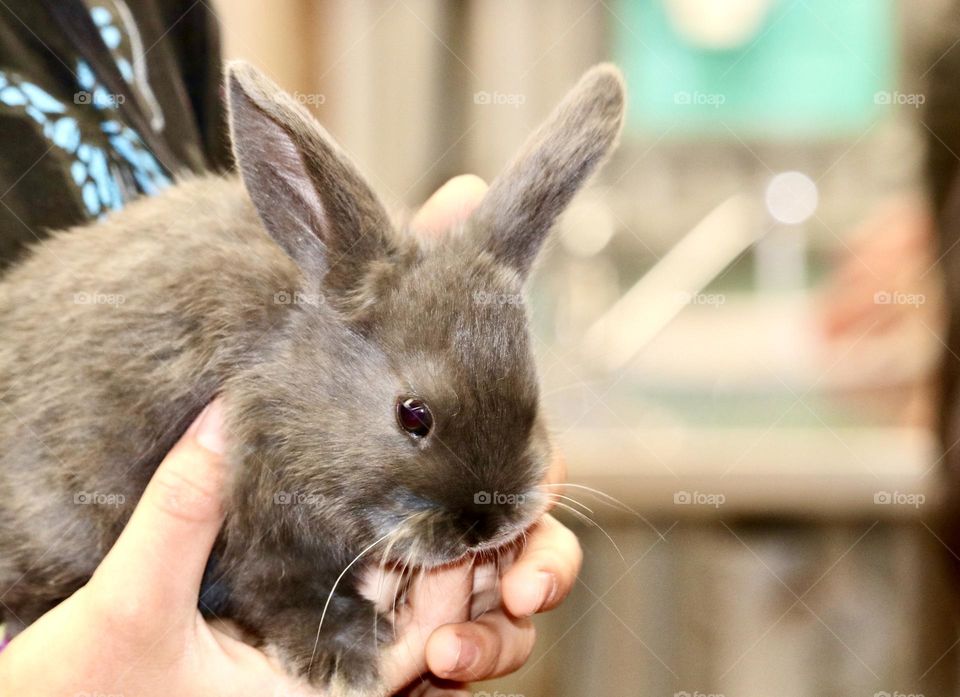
(607, 498)
(572, 500)
(384, 558)
(402, 582)
(326, 605)
(595, 524)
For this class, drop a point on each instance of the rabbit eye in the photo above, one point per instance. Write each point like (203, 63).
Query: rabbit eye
(414, 416)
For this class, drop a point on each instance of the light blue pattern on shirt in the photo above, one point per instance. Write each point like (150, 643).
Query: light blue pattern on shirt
(95, 170)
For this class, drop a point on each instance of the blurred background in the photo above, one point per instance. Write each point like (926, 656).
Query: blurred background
(738, 324)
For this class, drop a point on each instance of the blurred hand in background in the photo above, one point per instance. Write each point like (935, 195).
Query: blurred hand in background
(883, 306)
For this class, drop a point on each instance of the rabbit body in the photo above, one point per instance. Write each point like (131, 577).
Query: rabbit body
(288, 293)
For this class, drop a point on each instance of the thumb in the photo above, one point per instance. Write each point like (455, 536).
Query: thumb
(156, 566)
(450, 205)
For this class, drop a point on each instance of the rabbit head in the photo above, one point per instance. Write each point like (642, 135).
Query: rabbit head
(400, 396)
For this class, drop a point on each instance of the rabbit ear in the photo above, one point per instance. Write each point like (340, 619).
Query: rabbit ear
(524, 201)
(311, 199)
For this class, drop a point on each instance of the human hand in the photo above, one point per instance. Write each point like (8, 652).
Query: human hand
(134, 628)
(881, 315)
(890, 254)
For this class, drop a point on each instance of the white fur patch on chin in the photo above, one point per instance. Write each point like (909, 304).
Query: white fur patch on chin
(380, 586)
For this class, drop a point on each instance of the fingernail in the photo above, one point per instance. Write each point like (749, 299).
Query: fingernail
(210, 427)
(548, 589)
(467, 655)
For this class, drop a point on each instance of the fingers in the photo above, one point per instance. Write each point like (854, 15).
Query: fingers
(441, 596)
(486, 587)
(545, 572)
(498, 642)
(450, 205)
(494, 645)
(156, 566)
(436, 598)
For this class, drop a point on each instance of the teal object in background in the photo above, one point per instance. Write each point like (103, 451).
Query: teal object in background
(813, 69)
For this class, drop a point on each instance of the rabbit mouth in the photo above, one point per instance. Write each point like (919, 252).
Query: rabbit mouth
(513, 536)
(507, 540)
(387, 583)
(434, 537)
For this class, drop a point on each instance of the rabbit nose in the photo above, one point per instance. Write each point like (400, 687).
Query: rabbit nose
(484, 518)
(478, 525)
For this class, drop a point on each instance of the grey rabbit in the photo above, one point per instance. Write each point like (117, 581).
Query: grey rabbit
(356, 362)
